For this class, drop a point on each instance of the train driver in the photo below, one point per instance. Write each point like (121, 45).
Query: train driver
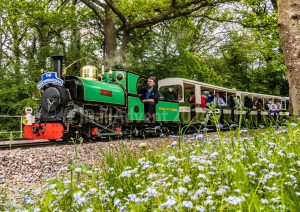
(150, 97)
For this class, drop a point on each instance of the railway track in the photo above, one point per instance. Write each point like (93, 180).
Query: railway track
(23, 145)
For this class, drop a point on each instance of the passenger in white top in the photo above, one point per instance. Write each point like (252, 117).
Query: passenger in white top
(219, 102)
(278, 104)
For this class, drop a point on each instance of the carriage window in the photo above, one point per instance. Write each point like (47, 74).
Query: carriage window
(171, 93)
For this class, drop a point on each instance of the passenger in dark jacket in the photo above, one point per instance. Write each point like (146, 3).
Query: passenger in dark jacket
(150, 97)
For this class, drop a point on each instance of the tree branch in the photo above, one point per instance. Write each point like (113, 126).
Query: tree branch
(117, 12)
(99, 3)
(172, 13)
(174, 3)
(95, 9)
(230, 21)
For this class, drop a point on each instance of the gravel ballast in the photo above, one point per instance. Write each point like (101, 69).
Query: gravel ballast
(22, 169)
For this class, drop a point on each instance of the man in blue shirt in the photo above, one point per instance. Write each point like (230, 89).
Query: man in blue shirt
(150, 97)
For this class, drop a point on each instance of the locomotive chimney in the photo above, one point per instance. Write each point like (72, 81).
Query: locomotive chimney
(58, 64)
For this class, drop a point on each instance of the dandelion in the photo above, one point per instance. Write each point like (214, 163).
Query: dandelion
(281, 153)
(52, 186)
(275, 200)
(151, 176)
(200, 208)
(152, 192)
(78, 199)
(172, 158)
(36, 209)
(67, 182)
(200, 168)
(67, 191)
(132, 197)
(222, 190)
(205, 129)
(291, 155)
(147, 165)
(202, 176)
(174, 143)
(180, 170)
(209, 201)
(175, 179)
(117, 202)
(89, 172)
(233, 200)
(198, 136)
(93, 190)
(271, 165)
(186, 179)
(127, 173)
(244, 130)
(171, 201)
(100, 184)
(182, 190)
(143, 145)
(294, 124)
(187, 204)
(228, 157)
(264, 201)
(28, 200)
(77, 170)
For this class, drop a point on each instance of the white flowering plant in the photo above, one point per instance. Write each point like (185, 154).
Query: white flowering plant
(257, 170)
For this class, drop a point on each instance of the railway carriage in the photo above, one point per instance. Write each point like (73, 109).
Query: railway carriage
(107, 104)
(197, 114)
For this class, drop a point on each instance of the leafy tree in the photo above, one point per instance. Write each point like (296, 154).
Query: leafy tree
(120, 18)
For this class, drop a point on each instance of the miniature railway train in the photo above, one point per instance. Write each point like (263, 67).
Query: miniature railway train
(109, 105)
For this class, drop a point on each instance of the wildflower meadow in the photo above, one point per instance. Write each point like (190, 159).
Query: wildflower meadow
(239, 170)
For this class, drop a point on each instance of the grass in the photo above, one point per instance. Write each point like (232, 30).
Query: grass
(239, 170)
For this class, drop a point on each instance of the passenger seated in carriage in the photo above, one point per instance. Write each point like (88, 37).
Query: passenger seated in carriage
(274, 109)
(150, 97)
(204, 98)
(171, 95)
(248, 106)
(192, 100)
(220, 103)
(210, 99)
(192, 97)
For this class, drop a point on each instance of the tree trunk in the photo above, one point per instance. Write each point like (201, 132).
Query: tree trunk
(125, 40)
(289, 26)
(1, 47)
(110, 36)
(75, 52)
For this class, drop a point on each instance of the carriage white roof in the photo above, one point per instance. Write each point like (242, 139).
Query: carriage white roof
(182, 81)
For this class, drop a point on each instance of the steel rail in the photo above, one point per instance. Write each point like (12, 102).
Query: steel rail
(22, 145)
